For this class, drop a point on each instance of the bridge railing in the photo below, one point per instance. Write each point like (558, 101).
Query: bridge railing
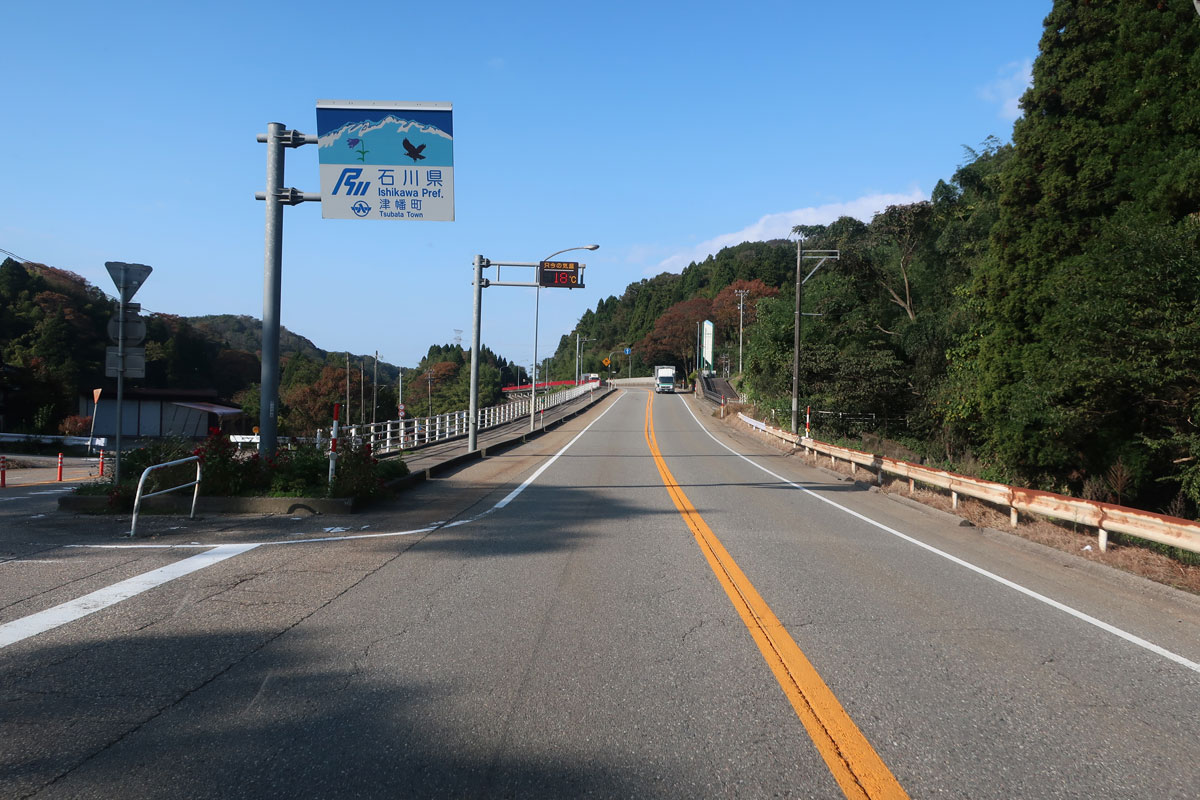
(396, 435)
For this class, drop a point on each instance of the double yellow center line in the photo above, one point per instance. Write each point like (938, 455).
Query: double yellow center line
(855, 765)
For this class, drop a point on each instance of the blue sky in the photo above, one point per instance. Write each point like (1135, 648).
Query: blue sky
(660, 131)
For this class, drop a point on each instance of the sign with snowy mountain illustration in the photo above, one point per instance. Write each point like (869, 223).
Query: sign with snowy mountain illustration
(382, 160)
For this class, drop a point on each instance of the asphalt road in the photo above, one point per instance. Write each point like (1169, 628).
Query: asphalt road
(593, 633)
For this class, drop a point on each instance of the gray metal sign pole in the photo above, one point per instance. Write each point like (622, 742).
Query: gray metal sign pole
(473, 420)
(276, 139)
(480, 284)
(120, 373)
(128, 279)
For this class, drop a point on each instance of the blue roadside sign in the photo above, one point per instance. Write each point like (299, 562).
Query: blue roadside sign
(386, 160)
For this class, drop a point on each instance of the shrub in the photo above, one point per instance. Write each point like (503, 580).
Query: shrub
(75, 425)
(362, 476)
(303, 472)
(299, 473)
(159, 451)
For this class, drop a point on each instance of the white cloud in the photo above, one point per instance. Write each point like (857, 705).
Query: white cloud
(1012, 81)
(779, 226)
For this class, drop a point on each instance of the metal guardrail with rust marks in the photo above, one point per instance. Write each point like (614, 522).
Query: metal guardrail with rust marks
(1105, 517)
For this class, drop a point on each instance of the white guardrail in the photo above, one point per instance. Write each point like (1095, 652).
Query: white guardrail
(404, 434)
(396, 435)
(1105, 517)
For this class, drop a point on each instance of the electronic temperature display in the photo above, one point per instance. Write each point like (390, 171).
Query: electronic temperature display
(563, 274)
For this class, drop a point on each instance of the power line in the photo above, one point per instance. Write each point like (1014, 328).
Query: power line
(11, 254)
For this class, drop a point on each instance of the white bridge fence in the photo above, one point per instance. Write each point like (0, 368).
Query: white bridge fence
(396, 435)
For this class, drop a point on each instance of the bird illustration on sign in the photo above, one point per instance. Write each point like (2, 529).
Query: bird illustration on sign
(413, 151)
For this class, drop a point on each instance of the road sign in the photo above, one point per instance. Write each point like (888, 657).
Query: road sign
(400, 410)
(135, 362)
(606, 362)
(561, 274)
(386, 160)
(135, 329)
(628, 351)
(128, 277)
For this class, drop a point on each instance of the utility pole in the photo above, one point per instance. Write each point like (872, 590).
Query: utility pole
(741, 293)
(375, 389)
(821, 256)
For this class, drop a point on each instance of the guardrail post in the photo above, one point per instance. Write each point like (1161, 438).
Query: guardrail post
(1012, 516)
(954, 500)
(1103, 540)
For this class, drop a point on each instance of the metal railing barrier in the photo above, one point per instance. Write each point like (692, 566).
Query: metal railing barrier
(137, 500)
(394, 436)
(1105, 517)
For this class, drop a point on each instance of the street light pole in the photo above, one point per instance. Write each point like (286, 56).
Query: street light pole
(579, 356)
(536, 302)
(537, 299)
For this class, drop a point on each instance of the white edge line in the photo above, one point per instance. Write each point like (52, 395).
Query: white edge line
(23, 628)
(513, 494)
(15, 631)
(427, 529)
(1074, 612)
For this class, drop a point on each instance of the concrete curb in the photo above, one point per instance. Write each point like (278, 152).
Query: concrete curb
(94, 504)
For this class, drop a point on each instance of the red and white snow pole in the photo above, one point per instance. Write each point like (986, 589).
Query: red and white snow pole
(337, 412)
(807, 422)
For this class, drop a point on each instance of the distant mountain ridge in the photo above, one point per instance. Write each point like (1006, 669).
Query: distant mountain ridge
(243, 332)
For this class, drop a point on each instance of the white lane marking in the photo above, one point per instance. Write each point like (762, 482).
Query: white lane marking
(15, 631)
(513, 494)
(32, 625)
(433, 526)
(1041, 598)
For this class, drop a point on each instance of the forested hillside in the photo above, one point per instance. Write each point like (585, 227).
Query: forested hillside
(1035, 321)
(53, 339)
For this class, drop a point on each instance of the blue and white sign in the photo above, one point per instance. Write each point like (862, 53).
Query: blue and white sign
(707, 336)
(383, 160)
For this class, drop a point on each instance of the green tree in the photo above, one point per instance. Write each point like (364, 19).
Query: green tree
(1109, 145)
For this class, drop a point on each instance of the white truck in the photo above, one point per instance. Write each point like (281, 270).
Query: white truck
(664, 379)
